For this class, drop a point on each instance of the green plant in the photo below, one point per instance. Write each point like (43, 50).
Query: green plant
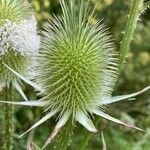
(80, 68)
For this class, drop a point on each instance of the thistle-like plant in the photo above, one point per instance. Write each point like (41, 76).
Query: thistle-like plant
(19, 43)
(76, 71)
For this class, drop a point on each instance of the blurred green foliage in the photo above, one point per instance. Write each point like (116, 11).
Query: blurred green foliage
(135, 76)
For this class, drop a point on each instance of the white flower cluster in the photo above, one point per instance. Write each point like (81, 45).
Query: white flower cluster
(20, 37)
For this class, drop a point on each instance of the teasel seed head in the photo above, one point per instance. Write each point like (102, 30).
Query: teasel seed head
(19, 41)
(77, 62)
(76, 70)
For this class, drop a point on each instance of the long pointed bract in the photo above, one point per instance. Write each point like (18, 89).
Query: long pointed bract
(110, 118)
(24, 79)
(123, 97)
(85, 121)
(103, 141)
(28, 103)
(45, 118)
(59, 125)
(19, 89)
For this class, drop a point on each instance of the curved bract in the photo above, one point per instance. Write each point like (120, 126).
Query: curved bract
(19, 42)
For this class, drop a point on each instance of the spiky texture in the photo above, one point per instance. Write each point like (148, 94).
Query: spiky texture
(16, 61)
(77, 61)
(14, 10)
(18, 39)
(145, 7)
(76, 70)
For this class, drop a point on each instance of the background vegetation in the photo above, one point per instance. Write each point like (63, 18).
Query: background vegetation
(135, 76)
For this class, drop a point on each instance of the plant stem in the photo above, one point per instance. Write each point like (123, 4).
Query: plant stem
(129, 30)
(87, 136)
(85, 140)
(8, 121)
(64, 137)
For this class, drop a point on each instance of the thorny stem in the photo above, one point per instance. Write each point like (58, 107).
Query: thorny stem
(64, 137)
(129, 30)
(8, 121)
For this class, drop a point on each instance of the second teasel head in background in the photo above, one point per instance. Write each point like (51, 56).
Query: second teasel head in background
(19, 41)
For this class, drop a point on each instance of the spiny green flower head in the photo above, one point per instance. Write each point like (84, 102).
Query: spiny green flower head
(76, 70)
(77, 66)
(19, 41)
